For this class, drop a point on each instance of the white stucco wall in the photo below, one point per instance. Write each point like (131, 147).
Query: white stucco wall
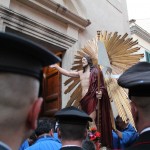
(143, 44)
(105, 16)
(36, 15)
(141, 41)
(5, 3)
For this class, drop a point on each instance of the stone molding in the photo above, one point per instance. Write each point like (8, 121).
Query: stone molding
(23, 24)
(135, 29)
(59, 12)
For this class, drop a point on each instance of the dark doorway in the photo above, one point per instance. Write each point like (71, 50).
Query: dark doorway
(51, 90)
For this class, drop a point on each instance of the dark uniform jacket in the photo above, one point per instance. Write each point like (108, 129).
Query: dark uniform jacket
(143, 142)
(71, 148)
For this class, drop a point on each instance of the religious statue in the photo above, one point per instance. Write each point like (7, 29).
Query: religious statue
(93, 90)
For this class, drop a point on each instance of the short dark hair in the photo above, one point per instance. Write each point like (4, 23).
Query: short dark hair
(44, 126)
(72, 131)
(88, 145)
(32, 138)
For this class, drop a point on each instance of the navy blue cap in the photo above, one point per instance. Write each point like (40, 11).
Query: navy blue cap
(136, 79)
(22, 56)
(72, 115)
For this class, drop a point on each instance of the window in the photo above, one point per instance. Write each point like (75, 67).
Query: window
(147, 54)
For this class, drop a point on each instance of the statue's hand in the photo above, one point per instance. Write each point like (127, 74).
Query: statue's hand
(99, 94)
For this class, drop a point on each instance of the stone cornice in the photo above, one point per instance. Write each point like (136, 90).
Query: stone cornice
(35, 29)
(59, 12)
(135, 29)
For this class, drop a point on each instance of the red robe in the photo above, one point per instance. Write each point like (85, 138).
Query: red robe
(89, 103)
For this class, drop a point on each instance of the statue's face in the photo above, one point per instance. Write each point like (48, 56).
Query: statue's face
(84, 62)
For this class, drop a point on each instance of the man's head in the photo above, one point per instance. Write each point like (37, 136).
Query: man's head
(72, 124)
(120, 124)
(88, 145)
(21, 63)
(137, 80)
(86, 61)
(45, 126)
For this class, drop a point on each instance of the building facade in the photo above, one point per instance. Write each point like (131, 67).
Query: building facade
(62, 26)
(143, 37)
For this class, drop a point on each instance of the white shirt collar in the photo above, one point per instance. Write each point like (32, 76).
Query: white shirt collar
(70, 145)
(145, 130)
(4, 145)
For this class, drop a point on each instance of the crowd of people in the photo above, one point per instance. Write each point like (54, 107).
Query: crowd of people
(70, 134)
(20, 76)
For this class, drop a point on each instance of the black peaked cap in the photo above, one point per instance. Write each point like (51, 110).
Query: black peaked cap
(72, 115)
(22, 56)
(136, 79)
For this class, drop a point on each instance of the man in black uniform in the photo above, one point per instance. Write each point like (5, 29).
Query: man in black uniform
(137, 80)
(72, 127)
(21, 63)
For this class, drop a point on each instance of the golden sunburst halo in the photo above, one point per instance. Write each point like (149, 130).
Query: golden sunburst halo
(122, 54)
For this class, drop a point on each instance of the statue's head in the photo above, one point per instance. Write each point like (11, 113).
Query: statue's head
(87, 61)
(120, 124)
